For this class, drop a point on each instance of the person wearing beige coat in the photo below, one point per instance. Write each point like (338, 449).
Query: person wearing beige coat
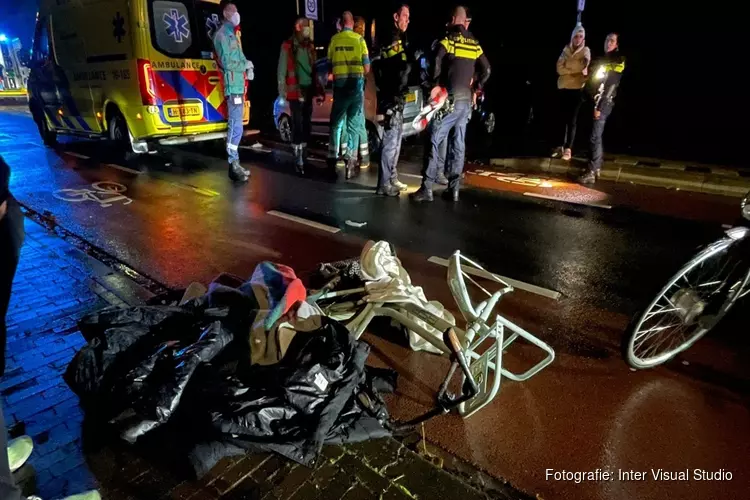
(572, 68)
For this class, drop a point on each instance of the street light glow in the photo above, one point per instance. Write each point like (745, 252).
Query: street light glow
(3, 38)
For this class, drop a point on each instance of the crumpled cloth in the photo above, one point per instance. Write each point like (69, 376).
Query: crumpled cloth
(387, 281)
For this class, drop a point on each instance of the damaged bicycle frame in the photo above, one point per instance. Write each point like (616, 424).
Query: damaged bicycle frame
(481, 371)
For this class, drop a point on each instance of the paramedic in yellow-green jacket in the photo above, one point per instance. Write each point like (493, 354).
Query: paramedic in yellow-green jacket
(349, 61)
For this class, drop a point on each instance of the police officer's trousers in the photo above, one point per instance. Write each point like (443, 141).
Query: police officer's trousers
(456, 121)
(392, 136)
(597, 146)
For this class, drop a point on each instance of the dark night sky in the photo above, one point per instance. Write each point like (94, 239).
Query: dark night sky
(682, 96)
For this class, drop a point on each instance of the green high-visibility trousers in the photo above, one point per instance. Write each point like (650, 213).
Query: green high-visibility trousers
(347, 114)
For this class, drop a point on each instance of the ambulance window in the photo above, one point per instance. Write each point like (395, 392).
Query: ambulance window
(41, 41)
(172, 27)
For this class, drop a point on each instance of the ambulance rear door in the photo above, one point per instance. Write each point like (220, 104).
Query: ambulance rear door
(109, 66)
(188, 88)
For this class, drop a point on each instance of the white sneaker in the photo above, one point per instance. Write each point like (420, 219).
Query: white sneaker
(19, 450)
(400, 185)
(567, 154)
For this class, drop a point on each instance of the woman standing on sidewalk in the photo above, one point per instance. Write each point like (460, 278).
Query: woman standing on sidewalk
(572, 68)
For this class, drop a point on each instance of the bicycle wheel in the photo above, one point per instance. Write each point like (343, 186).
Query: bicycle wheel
(689, 306)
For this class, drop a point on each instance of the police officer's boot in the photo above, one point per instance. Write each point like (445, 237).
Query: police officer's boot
(422, 195)
(388, 190)
(450, 194)
(589, 177)
(397, 183)
(237, 173)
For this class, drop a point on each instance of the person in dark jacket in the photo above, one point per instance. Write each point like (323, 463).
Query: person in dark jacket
(603, 85)
(14, 454)
(392, 80)
(456, 61)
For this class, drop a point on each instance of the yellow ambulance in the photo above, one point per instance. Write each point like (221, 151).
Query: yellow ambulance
(137, 72)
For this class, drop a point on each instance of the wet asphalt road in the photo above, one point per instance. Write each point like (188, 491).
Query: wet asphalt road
(180, 220)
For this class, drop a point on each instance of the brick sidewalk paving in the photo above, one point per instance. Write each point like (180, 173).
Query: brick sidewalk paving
(55, 285)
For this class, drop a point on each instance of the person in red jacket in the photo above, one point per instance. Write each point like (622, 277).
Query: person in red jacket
(298, 85)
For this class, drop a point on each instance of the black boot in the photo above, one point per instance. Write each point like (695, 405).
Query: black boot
(237, 173)
(240, 168)
(588, 178)
(388, 190)
(450, 194)
(422, 195)
(299, 159)
(331, 172)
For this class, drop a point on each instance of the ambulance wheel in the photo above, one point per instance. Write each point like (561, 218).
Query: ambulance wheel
(49, 136)
(120, 135)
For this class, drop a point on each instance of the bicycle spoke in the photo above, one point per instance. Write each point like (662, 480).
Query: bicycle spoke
(653, 331)
(654, 347)
(663, 310)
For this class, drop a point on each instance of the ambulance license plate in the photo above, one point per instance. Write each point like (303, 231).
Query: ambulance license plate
(182, 111)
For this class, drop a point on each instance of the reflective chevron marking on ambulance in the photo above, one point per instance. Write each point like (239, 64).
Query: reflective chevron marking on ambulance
(181, 98)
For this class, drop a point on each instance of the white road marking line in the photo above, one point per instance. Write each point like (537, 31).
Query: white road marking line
(124, 169)
(361, 191)
(411, 175)
(544, 292)
(77, 155)
(553, 198)
(726, 226)
(306, 222)
(253, 247)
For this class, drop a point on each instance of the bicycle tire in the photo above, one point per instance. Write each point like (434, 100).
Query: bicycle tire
(629, 339)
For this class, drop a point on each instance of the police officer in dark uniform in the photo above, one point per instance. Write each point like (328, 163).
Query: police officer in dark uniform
(458, 56)
(606, 74)
(392, 70)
